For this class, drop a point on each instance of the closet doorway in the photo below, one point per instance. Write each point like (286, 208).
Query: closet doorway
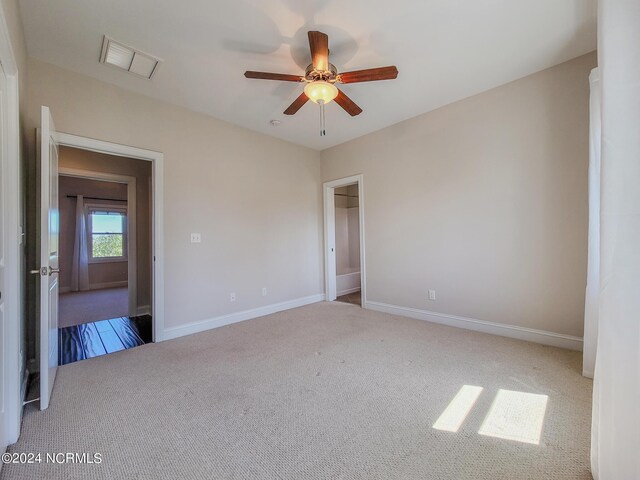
(344, 241)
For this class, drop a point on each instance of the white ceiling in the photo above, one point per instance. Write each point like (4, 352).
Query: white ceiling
(445, 50)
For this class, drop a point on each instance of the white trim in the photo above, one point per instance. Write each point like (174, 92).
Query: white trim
(12, 347)
(109, 207)
(100, 146)
(351, 282)
(201, 326)
(503, 330)
(100, 286)
(348, 291)
(330, 235)
(101, 260)
(131, 234)
(106, 285)
(143, 310)
(157, 201)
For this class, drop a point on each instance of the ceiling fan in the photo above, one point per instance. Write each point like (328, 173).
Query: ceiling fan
(320, 78)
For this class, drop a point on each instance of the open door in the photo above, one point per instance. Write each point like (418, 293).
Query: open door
(49, 267)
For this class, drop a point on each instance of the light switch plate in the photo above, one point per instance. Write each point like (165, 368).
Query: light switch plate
(196, 238)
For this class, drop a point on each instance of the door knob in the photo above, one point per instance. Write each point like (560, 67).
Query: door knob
(44, 272)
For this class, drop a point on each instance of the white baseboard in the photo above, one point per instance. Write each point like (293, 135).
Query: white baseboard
(99, 286)
(587, 373)
(223, 320)
(347, 291)
(522, 333)
(143, 310)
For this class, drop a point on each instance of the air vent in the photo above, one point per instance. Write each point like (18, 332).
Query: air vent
(127, 58)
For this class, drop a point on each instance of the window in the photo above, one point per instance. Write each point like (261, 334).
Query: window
(107, 234)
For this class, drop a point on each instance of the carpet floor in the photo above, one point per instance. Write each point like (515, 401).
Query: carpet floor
(326, 391)
(76, 308)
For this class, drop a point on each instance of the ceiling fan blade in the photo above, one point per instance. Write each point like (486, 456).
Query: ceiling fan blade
(273, 76)
(369, 75)
(349, 105)
(297, 104)
(319, 45)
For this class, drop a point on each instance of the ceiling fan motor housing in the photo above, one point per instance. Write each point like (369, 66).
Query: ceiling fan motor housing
(330, 75)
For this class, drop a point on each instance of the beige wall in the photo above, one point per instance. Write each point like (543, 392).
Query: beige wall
(99, 273)
(256, 200)
(484, 201)
(141, 170)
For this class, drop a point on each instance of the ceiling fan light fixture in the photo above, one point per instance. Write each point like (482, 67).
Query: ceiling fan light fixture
(320, 91)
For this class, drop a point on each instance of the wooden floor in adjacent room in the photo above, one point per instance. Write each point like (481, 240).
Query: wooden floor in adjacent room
(93, 339)
(354, 298)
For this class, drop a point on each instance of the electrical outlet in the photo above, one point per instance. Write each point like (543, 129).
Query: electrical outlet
(196, 238)
(264, 291)
(232, 297)
(432, 294)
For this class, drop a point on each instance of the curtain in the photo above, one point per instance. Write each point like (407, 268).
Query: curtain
(616, 394)
(591, 305)
(80, 264)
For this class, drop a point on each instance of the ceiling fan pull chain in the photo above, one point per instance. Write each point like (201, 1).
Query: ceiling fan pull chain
(322, 124)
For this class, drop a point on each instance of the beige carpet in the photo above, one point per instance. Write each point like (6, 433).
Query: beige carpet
(327, 391)
(93, 305)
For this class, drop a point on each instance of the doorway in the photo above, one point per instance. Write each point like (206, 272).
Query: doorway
(345, 278)
(105, 254)
(47, 335)
(347, 232)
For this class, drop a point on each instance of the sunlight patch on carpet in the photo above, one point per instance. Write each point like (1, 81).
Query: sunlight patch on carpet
(456, 412)
(516, 416)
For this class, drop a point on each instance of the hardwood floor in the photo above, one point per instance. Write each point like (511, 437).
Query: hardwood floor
(354, 298)
(88, 340)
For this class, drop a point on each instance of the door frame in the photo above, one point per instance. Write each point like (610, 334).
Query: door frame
(14, 313)
(157, 204)
(330, 236)
(132, 256)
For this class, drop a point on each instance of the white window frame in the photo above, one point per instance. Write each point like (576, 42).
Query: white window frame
(122, 209)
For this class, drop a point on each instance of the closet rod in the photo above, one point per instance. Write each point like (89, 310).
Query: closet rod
(345, 195)
(98, 198)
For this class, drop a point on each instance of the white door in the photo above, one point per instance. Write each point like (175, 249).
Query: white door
(3, 189)
(49, 267)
